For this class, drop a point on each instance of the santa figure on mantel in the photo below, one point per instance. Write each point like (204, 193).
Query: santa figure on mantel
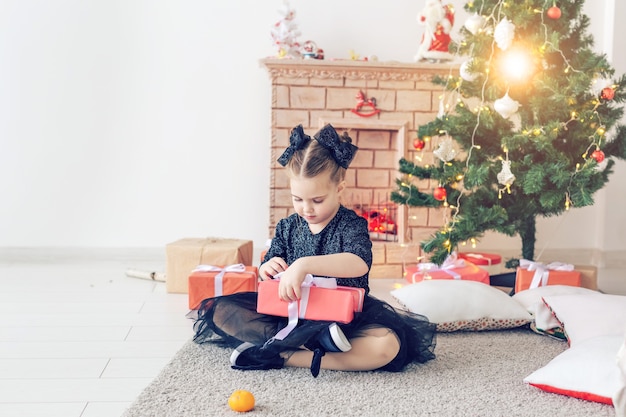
(437, 20)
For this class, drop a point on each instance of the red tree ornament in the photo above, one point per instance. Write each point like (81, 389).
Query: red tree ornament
(419, 144)
(607, 93)
(440, 193)
(554, 12)
(598, 155)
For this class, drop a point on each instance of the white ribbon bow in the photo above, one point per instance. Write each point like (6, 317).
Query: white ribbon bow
(218, 284)
(542, 271)
(447, 266)
(292, 309)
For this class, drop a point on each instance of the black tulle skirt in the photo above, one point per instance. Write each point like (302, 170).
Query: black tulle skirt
(232, 319)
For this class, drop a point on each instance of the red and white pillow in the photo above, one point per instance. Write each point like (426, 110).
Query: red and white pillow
(587, 371)
(595, 327)
(544, 322)
(585, 316)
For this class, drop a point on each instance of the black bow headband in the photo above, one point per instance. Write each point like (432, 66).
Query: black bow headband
(297, 141)
(342, 151)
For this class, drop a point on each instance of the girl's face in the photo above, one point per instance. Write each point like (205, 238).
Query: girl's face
(316, 200)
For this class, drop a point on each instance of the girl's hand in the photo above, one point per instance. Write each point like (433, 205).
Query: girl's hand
(290, 285)
(271, 268)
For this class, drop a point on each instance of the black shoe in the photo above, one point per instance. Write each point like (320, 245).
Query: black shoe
(316, 362)
(331, 339)
(249, 357)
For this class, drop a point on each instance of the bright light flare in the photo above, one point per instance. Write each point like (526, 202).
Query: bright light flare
(516, 65)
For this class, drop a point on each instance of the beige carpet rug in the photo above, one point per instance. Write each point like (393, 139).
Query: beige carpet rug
(474, 374)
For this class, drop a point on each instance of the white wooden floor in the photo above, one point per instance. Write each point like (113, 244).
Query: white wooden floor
(78, 338)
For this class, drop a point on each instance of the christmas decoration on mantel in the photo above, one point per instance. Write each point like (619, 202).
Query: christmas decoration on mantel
(437, 20)
(285, 33)
(535, 124)
(309, 50)
(362, 102)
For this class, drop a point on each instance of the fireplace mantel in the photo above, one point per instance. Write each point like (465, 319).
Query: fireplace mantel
(354, 69)
(313, 92)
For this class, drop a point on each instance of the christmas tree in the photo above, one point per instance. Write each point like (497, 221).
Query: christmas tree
(527, 127)
(285, 33)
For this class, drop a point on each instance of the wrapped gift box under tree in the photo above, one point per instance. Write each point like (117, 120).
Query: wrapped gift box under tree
(536, 274)
(451, 268)
(490, 262)
(184, 255)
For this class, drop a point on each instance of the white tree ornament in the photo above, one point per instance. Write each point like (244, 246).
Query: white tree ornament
(506, 106)
(446, 151)
(505, 176)
(504, 34)
(474, 23)
(464, 72)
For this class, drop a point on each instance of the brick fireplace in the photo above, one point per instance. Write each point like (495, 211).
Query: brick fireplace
(316, 92)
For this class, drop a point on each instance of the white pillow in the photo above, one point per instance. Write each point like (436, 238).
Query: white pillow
(532, 297)
(462, 305)
(619, 398)
(587, 371)
(532, 301)
(585, 316)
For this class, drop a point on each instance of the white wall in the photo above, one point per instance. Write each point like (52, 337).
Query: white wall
(123, 123)
(613, 215)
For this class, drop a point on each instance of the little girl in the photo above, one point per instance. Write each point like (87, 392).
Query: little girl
(325, 239)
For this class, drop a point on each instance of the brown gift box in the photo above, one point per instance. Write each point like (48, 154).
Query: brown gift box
(588, 276)
(184, 255)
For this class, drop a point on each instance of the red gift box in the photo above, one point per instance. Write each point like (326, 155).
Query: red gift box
(208, 281)
(490, 262)
(481, 258)
(328, 304)
(535, 274)
(460, 269)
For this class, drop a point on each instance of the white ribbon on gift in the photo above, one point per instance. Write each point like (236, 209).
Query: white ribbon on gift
(293, 313)
(447, 266)
(218, 283)
(542, 271)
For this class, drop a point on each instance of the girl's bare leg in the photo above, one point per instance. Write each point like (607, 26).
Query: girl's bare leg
(376, 348)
